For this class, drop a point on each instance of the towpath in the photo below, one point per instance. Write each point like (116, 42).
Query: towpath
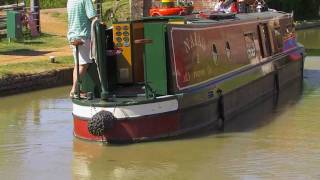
(53, 22)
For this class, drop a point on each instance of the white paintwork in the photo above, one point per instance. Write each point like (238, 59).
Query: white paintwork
(128, 111)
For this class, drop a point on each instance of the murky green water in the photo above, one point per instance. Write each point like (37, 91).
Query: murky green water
(283, 142)
(310, 38)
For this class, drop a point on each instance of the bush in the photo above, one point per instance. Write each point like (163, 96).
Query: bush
(302, 9)
(8, 2)
(47, 4)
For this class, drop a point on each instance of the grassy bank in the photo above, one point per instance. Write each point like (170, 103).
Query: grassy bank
(313, 52)
(35, 67)
(307, 24)
(31, 45)
(63, 17)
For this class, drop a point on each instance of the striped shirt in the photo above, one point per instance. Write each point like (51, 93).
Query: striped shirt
(79, 14)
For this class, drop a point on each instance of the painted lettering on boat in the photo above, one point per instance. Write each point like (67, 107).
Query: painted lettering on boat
(195, 59)
(199, 74)
(194, 41)
(186, 77)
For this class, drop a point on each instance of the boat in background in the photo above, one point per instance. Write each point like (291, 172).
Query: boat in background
(179, 74)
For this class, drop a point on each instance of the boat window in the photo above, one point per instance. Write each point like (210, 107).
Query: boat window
(215, 54)
(289, 30)
(228, 50)
(264, 39)
(278, 38)
(250, 45)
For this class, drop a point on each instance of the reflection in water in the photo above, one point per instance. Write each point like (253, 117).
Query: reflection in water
(309, 38)
(35, 131)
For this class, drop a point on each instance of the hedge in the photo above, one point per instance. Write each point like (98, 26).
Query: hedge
(2, 2)
(47, 4)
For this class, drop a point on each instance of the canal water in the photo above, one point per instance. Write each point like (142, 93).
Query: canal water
(310, 38)
(268, 142)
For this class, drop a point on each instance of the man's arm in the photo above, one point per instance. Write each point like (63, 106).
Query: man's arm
(90, 11)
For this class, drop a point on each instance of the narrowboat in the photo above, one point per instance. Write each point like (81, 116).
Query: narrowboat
(182, 73)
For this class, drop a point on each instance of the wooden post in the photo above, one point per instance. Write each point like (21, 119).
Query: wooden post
(140, 8)
(99, 9)
(35, 11)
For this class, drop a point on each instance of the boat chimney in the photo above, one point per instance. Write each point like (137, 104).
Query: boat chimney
(241, 6)
(259, 7)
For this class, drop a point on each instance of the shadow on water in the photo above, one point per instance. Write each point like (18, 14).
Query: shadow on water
(267, 111)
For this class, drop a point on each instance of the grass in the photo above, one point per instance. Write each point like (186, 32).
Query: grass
(35, 67)
(313, 52)
(32, 47)
(45, 41)
(61, 16)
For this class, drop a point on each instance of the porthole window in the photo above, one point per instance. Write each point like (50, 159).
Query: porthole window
(228, 50)
(215, 54)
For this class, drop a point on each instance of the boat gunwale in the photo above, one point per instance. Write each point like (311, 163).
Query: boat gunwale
(133, 118)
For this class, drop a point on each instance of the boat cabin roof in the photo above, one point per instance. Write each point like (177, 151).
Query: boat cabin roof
(223, 17)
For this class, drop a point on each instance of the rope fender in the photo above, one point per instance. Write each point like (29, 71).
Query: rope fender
(221, 116)
(100, 123)
(276, 85)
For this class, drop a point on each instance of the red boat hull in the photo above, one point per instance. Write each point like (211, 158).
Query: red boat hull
(133, 129)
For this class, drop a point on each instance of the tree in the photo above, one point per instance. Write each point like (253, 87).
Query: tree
(8, 2)
(302, 9)
(147, 4)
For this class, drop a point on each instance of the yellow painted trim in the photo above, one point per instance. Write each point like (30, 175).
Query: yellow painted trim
(167, 1)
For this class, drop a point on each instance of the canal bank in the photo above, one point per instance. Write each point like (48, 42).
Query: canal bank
(301, 25)
(14, 84)
(26, 65)
(21, 77)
